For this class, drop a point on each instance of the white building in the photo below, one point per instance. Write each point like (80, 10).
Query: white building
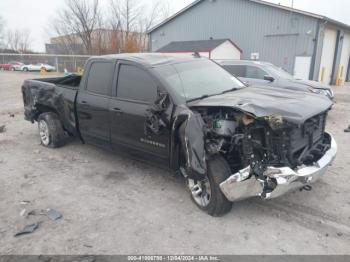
(213, 49)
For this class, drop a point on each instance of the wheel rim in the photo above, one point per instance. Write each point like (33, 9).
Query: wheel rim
(201, 191)
(44, 133)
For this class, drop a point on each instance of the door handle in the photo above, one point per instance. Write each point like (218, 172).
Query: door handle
(84, 102)
(117, 110)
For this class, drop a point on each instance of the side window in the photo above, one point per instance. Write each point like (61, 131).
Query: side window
(255, 72)
(99, 79)
(136, 84)
(236, 70)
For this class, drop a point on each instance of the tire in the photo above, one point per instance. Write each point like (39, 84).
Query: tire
(216, 204)
(13, 69)
(51, 130)
(25, 69)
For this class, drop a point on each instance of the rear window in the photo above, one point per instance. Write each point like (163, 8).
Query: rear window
(99, 79)
(245, 71)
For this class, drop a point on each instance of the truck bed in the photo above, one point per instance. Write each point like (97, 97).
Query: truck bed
(52, 94)
(72, 81)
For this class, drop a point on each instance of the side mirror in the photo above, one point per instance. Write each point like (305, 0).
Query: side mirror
(269, 78)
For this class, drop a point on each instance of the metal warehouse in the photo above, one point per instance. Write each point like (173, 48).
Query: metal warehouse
(308, 45)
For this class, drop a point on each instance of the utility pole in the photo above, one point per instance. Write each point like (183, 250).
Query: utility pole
(292, 3)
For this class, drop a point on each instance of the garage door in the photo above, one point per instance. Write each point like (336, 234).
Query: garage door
(328, 50)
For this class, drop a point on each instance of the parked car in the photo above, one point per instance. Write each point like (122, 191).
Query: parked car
(263, 73)
(12, 66)
(38, 67)
(230, 142)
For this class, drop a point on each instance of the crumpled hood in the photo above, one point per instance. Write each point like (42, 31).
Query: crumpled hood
(312, 84)
(295, 107)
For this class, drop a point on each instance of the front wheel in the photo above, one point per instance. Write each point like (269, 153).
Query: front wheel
(50, 130)
(206, 194)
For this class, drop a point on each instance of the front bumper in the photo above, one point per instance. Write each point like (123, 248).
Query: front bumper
(242, 185)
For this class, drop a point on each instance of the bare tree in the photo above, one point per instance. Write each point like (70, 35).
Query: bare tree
(124, 19)
(77, 22)
(134, 20)
(2, 36)
(18, 40)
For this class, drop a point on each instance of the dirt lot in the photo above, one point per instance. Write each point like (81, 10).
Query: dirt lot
(113, 205)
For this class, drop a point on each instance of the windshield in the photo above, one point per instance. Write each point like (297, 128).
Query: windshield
(279, 72)
(198, 79)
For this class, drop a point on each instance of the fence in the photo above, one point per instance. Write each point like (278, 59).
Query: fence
(70, 62)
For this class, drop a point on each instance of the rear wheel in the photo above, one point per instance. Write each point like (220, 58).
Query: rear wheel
(25, 69)
(13, 69)
(206, 193)
(50, 130)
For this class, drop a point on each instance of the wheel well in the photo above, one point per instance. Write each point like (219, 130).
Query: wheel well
(40, 109)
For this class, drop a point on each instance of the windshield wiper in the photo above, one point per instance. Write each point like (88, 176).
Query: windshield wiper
(198, 98)
(230, 90)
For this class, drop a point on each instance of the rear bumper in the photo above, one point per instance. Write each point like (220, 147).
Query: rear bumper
(239, 186)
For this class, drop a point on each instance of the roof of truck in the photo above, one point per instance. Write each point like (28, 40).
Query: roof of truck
(149, 59)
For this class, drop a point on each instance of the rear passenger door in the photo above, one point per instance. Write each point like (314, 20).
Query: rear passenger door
(136, 91)
(93, 103)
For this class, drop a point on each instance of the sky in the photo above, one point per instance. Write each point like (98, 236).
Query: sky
(37, 15)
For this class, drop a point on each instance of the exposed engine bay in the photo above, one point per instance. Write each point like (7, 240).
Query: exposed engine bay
(261, 143)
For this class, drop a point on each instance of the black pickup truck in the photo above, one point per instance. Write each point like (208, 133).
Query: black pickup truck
(230, 142)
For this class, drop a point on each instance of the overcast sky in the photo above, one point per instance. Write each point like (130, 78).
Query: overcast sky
(35, 15)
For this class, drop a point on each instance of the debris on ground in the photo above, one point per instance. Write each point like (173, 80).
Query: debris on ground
(53, 214)
(2, 129)
(12, 115)
(28, 229)
(347, 130)
(32, 213)
(23, 212)
(25, 202)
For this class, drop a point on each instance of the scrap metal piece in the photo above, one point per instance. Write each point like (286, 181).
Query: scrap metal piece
(2, 129)
(53, 214)
(28, 229)
(347, 130)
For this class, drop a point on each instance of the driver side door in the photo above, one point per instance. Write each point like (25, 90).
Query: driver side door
(135, 92)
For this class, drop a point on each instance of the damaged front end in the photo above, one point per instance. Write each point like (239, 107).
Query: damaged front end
(276, 181)
(268, 156)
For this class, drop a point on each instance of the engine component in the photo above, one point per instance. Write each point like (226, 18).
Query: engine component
(224, 127)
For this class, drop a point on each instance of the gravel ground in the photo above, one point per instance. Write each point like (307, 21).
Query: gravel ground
(113, 205)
